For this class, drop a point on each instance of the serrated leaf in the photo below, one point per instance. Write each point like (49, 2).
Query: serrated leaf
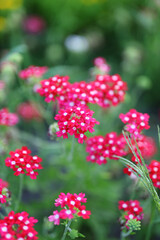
(73, 234)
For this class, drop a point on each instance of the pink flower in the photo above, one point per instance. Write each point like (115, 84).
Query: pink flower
(23, 163)
(29, 111)
(7, 118)
(102, 65)
(18, 226)
(34, 24)
(102, 148)
(3, 191)
(135, 122)
(76, 120)
(154, 172)
(70, 207)
(32, 71)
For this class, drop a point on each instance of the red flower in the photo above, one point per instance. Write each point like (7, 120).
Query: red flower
(23, 163)
(75, 121)
(18, 226)
(101, 148)
(7, 118)
(29, 111)
(4, 193)
(154, 172)
(135, 122)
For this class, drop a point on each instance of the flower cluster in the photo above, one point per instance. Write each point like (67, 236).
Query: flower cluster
(7, 118)
(3, 191)
(32, 71)
(75, 121)
(105, 90)
(72, 207)
(34, 24)
(29, 111)
(102, 65)
(54, 88)
(23, 163)
(18, 226)
(100, 148)
(154, 172)
(135, 122)
(131, 210)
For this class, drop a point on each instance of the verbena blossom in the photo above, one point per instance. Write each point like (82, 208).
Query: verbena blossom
(102, 65)
(76, 120)
(4, 192)
(71, 207)
(154, 172)
(29, 111)
(102, 148)
(18, 226)
(135, 122)
(32, 72)
(7, 118)
(105, 90)
(34, 24)
(53, 88)
(130, 210)
(22, 162)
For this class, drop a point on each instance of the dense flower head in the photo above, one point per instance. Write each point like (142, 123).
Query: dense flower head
(72, 207)
(76, 120)
(154, 172)
(105, 90)
(109, 90)
(29, 111)
(3, 191)
(102, 148)
(7, 118)
(131, 210)
(135, 122)
(146, 146)
(18, 226)
(22, 162)
(53, 88)
(32, 71)
(102, 65)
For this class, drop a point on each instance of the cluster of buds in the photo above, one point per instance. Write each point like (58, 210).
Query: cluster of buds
(7, 118)
(29, 111)
(105, 90)
(23, 163)
(130, 210)
(72, 207)
(18, 226)
(102, 148)
(76, 120)
(135, 122)
(4, 192)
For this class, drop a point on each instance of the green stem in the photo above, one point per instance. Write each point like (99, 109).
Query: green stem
(70, 157)
(66, 229)
(20, 192)
(149, 229)
(124, 235)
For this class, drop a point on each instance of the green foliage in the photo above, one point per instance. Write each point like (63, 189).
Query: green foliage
(134, 225)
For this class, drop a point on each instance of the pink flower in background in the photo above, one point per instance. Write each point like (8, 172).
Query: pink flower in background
(23, 163)
(33, 71)
(135, 122)
(7, 118)
(18, 226)
(76, 120)
(29, 111)
(3, 191)
(102, 65)
(2, 85)
(102, 148)
(34, 24)
(72, 207)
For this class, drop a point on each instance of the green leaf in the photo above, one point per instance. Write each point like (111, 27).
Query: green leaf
(73, 234)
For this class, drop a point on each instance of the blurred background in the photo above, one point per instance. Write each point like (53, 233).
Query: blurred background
(66, 35)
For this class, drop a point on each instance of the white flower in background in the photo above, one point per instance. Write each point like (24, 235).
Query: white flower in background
(77, 43)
